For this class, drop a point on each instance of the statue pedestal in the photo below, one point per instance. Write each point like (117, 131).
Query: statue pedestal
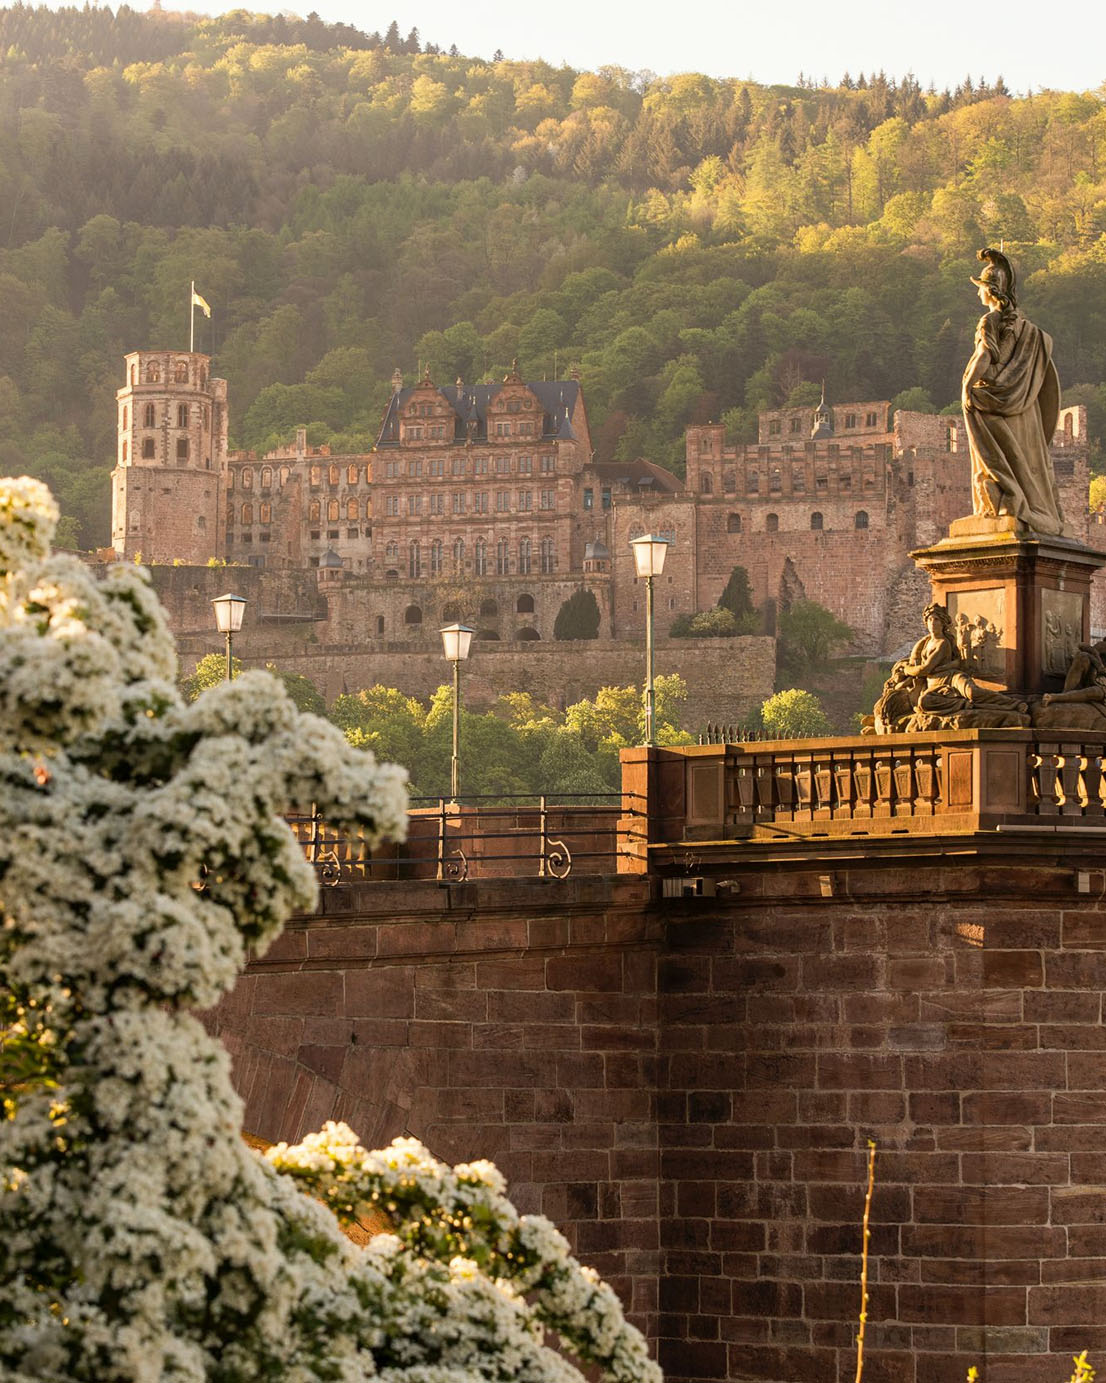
(1027, 597)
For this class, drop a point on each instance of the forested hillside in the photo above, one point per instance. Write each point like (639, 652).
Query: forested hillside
(349, 203)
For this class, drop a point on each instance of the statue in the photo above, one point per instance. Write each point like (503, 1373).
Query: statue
(1082, 703)
(932, 689)
(1011, 400)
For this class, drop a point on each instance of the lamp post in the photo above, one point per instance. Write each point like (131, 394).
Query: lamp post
(649, 554)
(229, 610)
(455, 644)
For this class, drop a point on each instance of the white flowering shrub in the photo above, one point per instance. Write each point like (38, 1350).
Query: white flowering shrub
(142, 850)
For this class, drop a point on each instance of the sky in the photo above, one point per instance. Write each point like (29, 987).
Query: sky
(1030, 45)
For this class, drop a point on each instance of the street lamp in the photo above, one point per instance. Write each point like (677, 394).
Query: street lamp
(455, 644)
(649, 555)
(229, 610)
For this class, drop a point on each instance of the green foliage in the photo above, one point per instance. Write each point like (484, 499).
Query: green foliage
(302, 690)
(702, 247)
(809, 634)
(737, 596)
(794, 715)
(578, 617)
(708, 624)
(208, 672)
(520, 746)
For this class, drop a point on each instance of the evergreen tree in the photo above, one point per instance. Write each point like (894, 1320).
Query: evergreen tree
(578, 617)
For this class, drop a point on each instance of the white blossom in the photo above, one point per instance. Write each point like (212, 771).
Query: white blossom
(143, 848)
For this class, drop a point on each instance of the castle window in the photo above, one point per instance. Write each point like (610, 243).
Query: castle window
(502, 465)
(332, 511)
(412, 615)
(457, 465)
(871, 419)
(124, 450)
(774, 426)
(589, 499)
(775, 483)
(316, 475)
(706, 482)
(391, 551)
(414, 505)
(149, 416)
(503, 429)
(391, 505)
(479, 465)
(353, 509)
(247, 480)
(816, 521)
(798, 482)
(548, 465)
(153, 373)
(729, 482)
(180, 372)
(414, 561)
(134, 374)
(705, 443)
(844, 482)
(796, 424)
(351, 475)
(391, 470)
(247, 513)
(458, 555)
(334, 474)
(147, 448)
(850, 419)
(547, 499)
(605, 496)
(182, 415)
(502, 501)
(266, 477)
(548, 561)
(458, 503)
(436, 466)
(489, 609)
(436, 557)
(125, 415)
(480, 502)
(861, 520)
(524, 557)
(369, 508)
(733, 523)
(353, 533)
(753, 484)
(524, 605)
(314, 512)
(437, 502)
(502, 558)
(869, 482)
(380, 624)
(182, 448)
(525, 501)
(265, 513)
(525, 465)
(771, 523)
(414, 468)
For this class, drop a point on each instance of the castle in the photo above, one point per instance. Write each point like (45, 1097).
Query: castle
(485, 503)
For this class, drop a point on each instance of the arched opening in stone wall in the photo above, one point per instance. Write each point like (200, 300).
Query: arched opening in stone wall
(489, 608)
(816, 522)
(412, 615)
(861, 520)
(527, 635)
(488, 634)
(771, 523)
(733, 523)
(524, 605)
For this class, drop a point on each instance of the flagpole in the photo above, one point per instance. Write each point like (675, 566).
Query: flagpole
(192, 319)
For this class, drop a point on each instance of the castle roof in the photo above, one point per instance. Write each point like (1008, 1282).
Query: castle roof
(470, 404)
(637, 477)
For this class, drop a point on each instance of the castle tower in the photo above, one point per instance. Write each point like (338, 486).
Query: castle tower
(168, 488)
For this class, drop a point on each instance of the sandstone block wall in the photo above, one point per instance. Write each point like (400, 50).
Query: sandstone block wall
(688, 1087)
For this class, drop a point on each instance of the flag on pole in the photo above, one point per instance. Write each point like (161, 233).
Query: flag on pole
(201, 303)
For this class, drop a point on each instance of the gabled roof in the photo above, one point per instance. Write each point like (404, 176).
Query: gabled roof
(638, 477)
(470, 404)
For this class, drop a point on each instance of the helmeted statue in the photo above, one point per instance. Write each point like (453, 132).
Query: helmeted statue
(1011, 400)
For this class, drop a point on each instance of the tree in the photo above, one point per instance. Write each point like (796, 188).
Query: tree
(809, 633)
(794, 715)
(143, 850)
(209, 672)
(737, 597)
(302, 692)
(578, 617)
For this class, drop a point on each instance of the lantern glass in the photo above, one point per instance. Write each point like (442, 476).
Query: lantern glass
(229, 610)
(455, 642)
(649, 555)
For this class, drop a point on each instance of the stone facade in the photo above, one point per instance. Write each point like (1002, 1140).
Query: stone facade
(169, 484)
(687, 1086)
(488, 495)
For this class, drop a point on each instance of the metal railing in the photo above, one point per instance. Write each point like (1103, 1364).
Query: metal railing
(545, 836)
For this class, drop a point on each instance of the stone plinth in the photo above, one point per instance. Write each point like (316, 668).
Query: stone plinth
(1035, 591)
